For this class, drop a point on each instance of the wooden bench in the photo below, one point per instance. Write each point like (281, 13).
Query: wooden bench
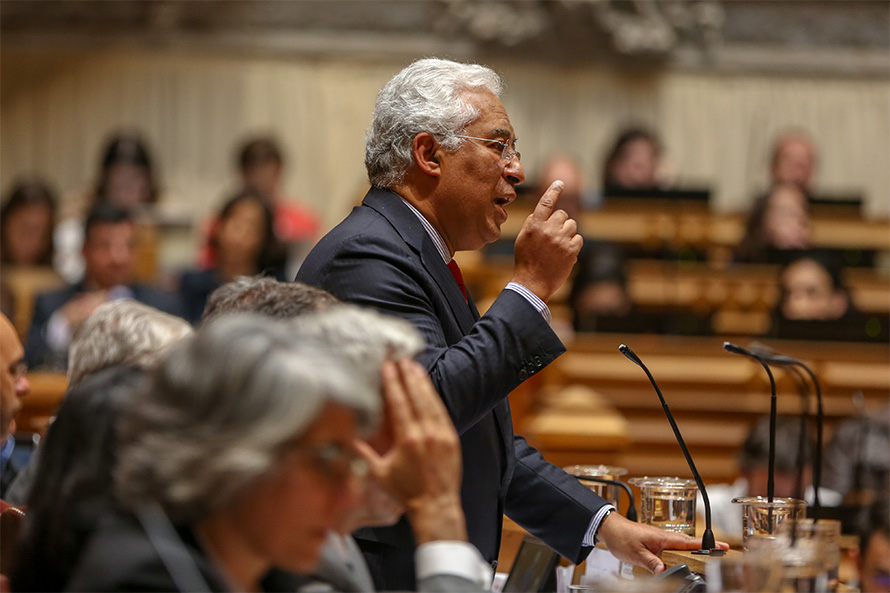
(714, 396)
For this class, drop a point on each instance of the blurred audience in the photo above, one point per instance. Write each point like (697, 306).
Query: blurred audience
(244, 243)
(793, 161)
(124, 332)
(778, 222)
(126, 180)
(108, 253)
(633, 161)
(73, 480)
(260, 165)
(14, 386)
(27, 220)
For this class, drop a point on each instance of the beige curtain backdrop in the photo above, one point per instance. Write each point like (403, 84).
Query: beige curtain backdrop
(194, 109)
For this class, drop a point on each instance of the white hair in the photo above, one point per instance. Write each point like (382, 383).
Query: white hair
(427, 96)
(222, 406)
(122, 332)
(364, 336)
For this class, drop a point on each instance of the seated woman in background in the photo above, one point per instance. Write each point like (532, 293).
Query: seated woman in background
(811, 287)
(238, 460)
(245, 245)
(778, 224)
(126, 180)
(27, 219)
(633, 161)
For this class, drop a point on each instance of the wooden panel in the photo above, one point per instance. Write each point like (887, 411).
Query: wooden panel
(47, 390)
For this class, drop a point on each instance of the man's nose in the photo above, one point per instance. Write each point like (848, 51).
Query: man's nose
(514, 171)
(23, 387)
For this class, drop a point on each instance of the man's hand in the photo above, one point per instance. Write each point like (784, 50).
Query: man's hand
(422, 469)
(640, 544)
(547, 246)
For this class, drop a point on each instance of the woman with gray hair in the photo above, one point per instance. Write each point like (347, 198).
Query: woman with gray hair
(237, 461)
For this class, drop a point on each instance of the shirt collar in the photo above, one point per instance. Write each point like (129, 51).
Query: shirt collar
(438, 241)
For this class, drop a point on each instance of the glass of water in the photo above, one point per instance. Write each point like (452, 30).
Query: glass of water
(667, 503)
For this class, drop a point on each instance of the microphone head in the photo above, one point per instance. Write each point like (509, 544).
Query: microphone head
(736, 349)
(630, 354)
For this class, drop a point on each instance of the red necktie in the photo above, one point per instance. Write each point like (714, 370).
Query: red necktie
(458, 277)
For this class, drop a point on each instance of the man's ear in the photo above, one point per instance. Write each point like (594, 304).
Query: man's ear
(426, 151)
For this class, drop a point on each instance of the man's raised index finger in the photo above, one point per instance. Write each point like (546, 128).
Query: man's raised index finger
(548, 200)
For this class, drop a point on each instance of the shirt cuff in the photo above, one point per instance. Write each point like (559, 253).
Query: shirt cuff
(456, 558)
(58, 332)
(590, 538)
(532, 298)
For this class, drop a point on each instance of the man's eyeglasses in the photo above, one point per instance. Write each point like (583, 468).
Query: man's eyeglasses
(506, 153)
(335, 461)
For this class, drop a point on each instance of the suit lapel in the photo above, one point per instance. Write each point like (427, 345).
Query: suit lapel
(389, 205)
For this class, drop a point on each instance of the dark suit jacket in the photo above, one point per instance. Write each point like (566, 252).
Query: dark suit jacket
(380, 256)
(38, 352)
(121, 557)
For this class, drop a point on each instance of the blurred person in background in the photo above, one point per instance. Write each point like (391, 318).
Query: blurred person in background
(124, 332)
(126, 180)
(108, 251)
(245, 245)
(599, 288)
(857, 458)
(811, 286)
(574, 197)
(778, 223)
(793, 161)
(260, 167)
(27, 220)
(14, 386)
(633, 161)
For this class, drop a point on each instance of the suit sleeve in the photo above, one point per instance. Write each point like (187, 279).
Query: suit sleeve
(472, 372)
(37, 350)
(549, 503)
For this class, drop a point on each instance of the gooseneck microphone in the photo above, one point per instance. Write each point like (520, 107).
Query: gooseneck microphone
(631, 508)
(708, 542)
(789, 361)
(771, 477)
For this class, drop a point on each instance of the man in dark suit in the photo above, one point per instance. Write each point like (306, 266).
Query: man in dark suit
(442, 163)
(109, 254)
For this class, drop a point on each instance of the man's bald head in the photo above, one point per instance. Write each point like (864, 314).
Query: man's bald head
(13, 384)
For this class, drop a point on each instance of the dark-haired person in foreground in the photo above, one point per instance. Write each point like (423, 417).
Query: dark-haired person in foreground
(442, 160)
(72, 484)
(109, 255)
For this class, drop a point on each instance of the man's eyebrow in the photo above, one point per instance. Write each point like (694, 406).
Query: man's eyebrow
(502, 132)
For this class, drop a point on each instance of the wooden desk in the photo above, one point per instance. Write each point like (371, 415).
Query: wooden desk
(47, 390)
